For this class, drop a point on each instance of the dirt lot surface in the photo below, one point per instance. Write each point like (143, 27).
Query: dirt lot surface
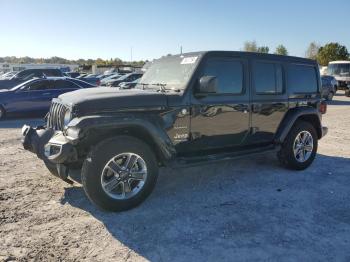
(241, 210)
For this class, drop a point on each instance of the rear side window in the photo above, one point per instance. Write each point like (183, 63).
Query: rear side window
(302, 79)
(62, 84)
(229, 74)
(268, 78)
(39, 85)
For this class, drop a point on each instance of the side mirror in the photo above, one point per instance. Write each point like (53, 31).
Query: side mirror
(207, 85)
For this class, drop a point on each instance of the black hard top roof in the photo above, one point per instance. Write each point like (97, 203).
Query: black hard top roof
(253, 55)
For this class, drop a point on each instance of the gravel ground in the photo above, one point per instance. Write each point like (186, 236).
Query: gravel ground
(241, 210)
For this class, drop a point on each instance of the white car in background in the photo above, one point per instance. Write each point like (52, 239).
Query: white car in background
(341, 71)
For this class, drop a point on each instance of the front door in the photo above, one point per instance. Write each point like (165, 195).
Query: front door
(221, 120)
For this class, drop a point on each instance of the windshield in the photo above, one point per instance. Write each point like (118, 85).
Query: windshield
(172, 72)
(339, 69)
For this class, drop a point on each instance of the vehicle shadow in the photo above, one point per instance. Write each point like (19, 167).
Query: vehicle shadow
(344, 102)
(241, 208)
(18, 123)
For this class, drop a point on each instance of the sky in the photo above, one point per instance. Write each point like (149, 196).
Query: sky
(108, 29)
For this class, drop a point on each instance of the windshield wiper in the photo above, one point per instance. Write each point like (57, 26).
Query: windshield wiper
(160, 85)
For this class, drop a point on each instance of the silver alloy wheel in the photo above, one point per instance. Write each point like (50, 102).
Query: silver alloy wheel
(124, 176)
(303, 146)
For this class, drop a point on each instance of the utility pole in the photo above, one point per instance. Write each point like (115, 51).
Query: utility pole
(131, 54)
(181, 50)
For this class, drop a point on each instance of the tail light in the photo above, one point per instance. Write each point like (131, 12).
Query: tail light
(323, 107)
(98, 82)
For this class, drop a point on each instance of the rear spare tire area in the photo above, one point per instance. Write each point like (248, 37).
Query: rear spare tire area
(119, 173)
(299, 148)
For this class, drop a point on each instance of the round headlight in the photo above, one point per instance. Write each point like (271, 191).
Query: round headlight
(67, 117)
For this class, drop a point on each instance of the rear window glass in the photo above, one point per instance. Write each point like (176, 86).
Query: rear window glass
(268, 78)
(302, 79)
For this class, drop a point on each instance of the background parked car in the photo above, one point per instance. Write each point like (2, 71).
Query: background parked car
(92, 79)
(72, 74)
(329, 87)
(28, 74)
(128, 85)
(347, 91)
(8, 75)
(113, 77)
(34, 96)
(125, 78)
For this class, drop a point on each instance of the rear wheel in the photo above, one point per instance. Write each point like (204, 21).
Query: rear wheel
(299, 149)
(119, 173)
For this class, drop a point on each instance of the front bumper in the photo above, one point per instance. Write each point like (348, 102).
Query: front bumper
(48, 144)
(34, 139)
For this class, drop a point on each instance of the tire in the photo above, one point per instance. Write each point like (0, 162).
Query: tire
(97, 173)
(2, 113)
(330, 96)
(287, 156)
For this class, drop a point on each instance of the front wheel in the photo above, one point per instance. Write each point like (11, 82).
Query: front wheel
(119, 173)
(299, 149)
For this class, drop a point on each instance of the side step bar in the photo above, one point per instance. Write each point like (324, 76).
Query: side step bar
(208, 159)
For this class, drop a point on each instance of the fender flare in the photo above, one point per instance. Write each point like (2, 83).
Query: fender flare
(291, 117)
(151, 125)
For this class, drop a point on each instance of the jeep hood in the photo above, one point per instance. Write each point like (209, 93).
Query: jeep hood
(101, 99)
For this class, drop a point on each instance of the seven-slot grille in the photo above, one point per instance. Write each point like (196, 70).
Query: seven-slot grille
(55, 119)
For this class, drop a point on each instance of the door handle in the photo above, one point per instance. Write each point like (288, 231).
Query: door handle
(45, 94)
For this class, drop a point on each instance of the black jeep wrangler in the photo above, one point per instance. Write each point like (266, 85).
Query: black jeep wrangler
(186, 109)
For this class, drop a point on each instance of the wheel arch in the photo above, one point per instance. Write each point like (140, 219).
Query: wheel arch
(308, 114)
(148, 132)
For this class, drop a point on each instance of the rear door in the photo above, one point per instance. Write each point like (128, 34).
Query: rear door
(62, 86)
(269, 100)
(221, 120)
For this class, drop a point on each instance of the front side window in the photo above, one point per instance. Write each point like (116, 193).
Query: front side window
(302, 79)
(229, 75)
(268, 78)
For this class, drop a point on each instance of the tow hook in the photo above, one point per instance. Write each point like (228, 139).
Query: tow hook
(63, 172)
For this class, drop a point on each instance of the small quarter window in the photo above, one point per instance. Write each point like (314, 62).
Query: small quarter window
(302, 79)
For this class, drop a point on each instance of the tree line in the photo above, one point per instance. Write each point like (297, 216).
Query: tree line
(323, 54)
(60, 60)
